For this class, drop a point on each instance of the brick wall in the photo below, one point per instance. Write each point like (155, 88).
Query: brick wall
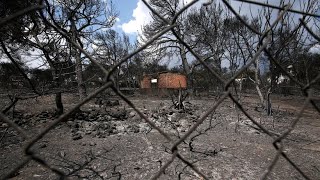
(172, 81)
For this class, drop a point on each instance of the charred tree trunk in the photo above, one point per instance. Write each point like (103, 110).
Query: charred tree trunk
(268, 103)
(187, 70)
(59, 103)
(77, 55)
(117, 83)
(81, 86)
(273, 83)
(257, 81)
(56, 82)
(56, 78)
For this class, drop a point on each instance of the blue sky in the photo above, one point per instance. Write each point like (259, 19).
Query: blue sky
(125, 7)
(132, 16)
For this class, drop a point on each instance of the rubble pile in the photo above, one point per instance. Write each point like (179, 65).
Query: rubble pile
(121, 121)
(101, 123)
(26, 119)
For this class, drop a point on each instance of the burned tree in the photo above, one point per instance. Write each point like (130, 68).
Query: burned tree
(168, 45)
(79, 21)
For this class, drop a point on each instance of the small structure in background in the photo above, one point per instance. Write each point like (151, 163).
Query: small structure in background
(162, 83)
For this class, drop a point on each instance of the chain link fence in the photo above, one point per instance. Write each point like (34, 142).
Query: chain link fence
(265, 40)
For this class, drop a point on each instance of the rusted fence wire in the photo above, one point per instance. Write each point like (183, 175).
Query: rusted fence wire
(170, 26)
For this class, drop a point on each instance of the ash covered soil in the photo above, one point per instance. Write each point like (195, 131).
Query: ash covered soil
(113, 142)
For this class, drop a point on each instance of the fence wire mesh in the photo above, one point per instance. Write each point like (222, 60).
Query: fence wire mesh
(264, 42)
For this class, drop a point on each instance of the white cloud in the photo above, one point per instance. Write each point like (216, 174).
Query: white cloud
(33, 58)
(141, 16)
(315, 49)
(118, 25)
(118, 19)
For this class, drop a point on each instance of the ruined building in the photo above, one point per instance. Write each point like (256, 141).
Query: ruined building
(162, 83)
